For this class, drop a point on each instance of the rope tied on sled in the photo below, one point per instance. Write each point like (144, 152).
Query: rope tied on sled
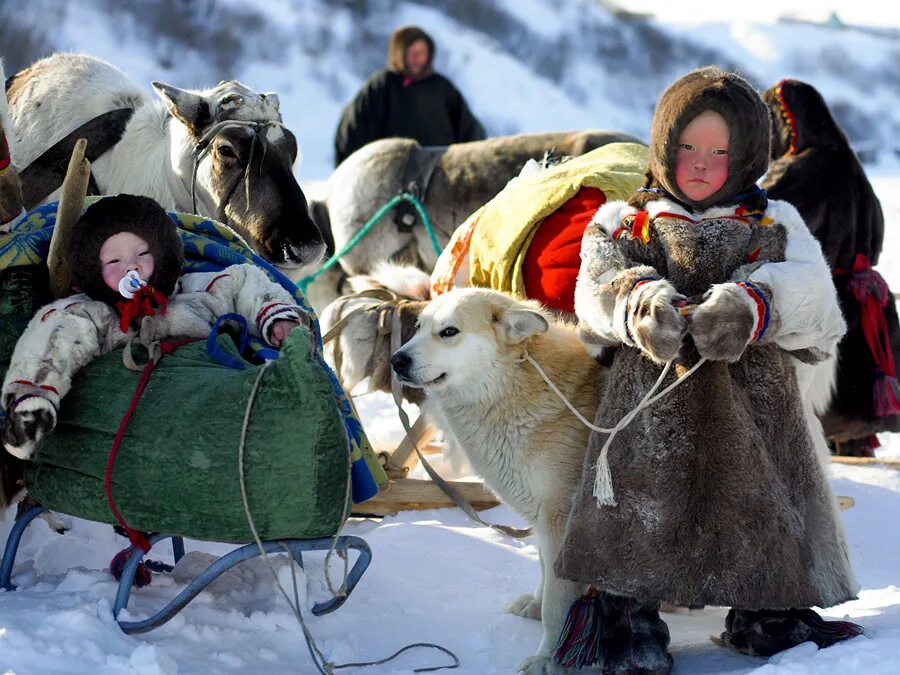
(156, 351)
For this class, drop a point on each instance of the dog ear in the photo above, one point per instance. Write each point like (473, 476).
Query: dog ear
(520, 324)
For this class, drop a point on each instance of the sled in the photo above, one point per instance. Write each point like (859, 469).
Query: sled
(333, 461)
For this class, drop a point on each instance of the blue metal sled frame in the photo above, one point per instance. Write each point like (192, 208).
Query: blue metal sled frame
(210, 574)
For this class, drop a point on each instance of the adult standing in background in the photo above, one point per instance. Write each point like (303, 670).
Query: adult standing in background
(814, 168)
(406, 99)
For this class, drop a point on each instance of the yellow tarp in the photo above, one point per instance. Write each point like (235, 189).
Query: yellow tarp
(499, 233)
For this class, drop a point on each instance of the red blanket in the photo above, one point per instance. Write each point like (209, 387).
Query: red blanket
(554, 256)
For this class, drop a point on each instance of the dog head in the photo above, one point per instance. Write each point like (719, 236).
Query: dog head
(464, 339)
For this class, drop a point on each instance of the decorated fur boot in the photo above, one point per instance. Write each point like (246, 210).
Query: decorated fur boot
(635, 639)
(768, 631)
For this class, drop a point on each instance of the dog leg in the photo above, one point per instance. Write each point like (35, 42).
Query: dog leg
(528, 605)
(558, 596)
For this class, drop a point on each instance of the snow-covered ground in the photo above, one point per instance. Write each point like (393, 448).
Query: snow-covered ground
(435, 577)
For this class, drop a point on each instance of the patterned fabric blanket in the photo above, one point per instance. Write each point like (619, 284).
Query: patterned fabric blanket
(209, 246)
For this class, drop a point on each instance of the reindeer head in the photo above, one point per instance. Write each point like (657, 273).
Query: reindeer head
(242, 161)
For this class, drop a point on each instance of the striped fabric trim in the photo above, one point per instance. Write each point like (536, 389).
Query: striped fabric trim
(45, 387)
(273, 312)
(762, 309)
(26, 397)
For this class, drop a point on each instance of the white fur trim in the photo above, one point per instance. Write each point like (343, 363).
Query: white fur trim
(609, 216)
(402, 279)
(803, 295)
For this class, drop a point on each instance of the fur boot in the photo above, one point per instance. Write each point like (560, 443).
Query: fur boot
(635, 639)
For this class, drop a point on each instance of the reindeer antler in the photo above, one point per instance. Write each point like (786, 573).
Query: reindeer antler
(71, 202)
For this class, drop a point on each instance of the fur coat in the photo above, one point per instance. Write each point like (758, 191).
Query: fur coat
(69, 333)
(815, 169)
(721, 497)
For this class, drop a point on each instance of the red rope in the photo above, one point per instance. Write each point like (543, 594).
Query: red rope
(136, 537)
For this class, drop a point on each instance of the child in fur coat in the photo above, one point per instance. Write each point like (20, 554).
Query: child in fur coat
(715, 494)
(126, 257)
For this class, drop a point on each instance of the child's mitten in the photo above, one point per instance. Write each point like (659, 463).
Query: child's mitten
(29, 419)
(653, 322)
(731, 316)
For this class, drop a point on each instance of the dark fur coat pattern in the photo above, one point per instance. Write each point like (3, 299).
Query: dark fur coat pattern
(721, 497)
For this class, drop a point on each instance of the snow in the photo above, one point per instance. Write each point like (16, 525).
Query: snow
(435, 576)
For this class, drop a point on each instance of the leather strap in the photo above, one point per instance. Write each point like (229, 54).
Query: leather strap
(46, 173)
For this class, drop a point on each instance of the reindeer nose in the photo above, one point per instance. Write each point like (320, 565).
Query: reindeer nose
(401, 362)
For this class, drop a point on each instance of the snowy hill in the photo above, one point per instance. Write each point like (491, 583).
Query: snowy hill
(523, 65)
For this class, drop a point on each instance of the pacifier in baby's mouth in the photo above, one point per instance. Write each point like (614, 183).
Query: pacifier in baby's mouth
(130, 284)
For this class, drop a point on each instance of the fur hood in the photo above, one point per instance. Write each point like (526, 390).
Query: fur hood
(400, 40)
(748, 123)
(140, 216)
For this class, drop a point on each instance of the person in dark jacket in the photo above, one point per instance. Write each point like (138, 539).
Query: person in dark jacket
(814, 168)
(406, 99)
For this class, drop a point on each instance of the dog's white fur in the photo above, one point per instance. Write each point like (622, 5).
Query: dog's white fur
(518, 435)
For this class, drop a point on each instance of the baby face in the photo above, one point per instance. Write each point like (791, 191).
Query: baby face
(701, 162)
(122, 253)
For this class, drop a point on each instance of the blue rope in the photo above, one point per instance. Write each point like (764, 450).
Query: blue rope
(304, 283)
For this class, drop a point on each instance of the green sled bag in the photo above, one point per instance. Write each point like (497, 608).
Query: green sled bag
(177, 468)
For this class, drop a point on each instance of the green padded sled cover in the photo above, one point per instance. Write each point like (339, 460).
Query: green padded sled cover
(177, 467)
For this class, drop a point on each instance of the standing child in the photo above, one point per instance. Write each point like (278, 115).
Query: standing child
(717, 495)
(125, 255)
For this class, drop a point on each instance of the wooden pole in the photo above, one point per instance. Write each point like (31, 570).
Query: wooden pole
(410, 494)
(867, 461)
(71, 203)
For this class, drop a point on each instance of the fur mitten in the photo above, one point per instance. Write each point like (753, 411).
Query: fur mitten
(29, 419)
(731, 316)
(653, 322)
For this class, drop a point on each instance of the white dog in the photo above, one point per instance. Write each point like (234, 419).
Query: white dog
(468, 354)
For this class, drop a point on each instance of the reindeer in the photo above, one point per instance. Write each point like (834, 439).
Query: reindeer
(222, 152)
(465, 176)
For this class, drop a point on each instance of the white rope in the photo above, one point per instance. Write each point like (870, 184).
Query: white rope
(603, 490)
(322, 664)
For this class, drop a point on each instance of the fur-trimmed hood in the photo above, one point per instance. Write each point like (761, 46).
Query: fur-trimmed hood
(814, 168)
(138, 215)
(744, 112)
(400, 40)
(800, 119)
